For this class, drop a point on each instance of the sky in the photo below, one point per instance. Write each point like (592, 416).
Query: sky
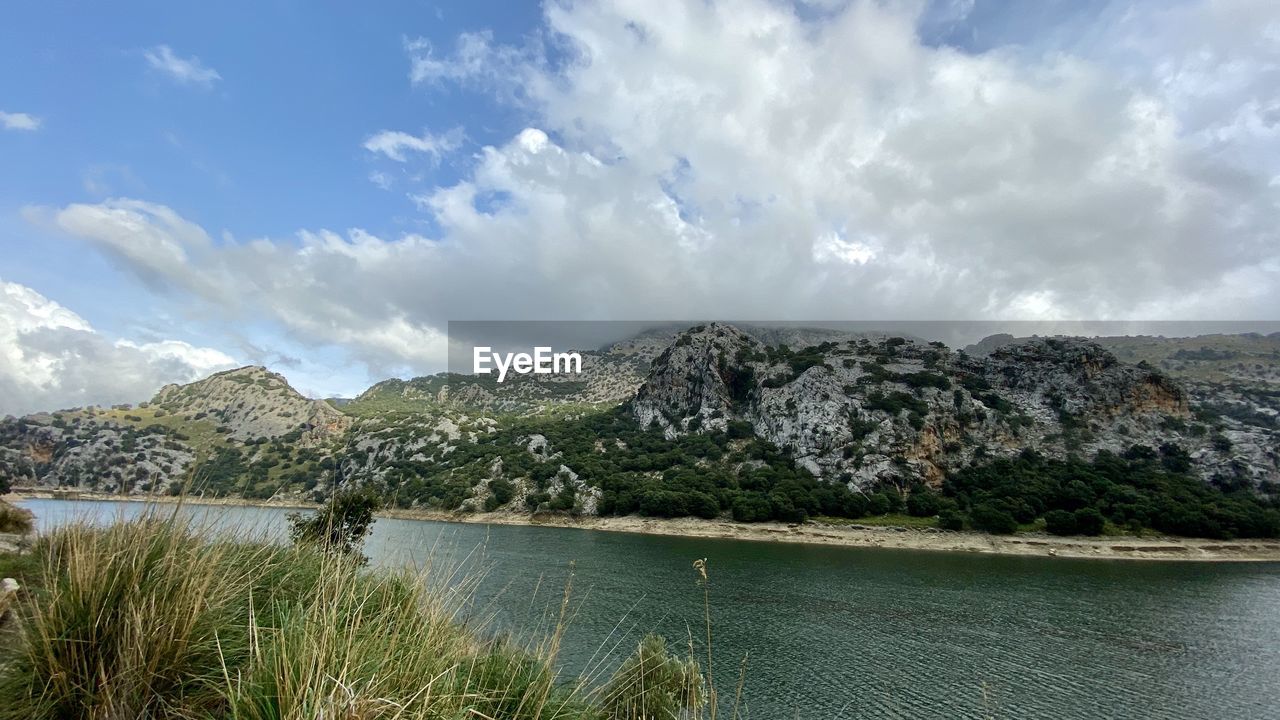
(321, 188)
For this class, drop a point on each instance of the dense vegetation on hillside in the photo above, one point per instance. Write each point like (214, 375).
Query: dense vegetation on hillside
(1142, 489)
(637, 470)
(738, 475)
(875, 430)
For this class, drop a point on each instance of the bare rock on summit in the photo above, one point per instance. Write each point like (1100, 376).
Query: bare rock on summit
(253, 402)
(859, 409)
(1080, 377)
(693, 378)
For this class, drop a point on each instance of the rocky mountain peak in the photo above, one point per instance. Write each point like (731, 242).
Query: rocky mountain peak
(252, 402)
(699, 376)
(857, 409)
(1080, 377)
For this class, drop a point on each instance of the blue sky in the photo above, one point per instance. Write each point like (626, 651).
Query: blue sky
(271, 145)
(320, 188)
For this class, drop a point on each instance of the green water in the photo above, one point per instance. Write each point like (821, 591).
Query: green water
(867, 633)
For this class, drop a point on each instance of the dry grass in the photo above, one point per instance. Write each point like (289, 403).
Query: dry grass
(15, 519)
(159, 618)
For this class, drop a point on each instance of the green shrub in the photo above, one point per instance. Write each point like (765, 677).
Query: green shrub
(340, 525)
(993, 518)
(879, 504)
(951, 519)
(1089, 521)
(1060, 522)
(923, 502)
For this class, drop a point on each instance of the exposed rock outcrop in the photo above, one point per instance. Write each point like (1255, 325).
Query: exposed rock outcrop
(875, 410)
(253, 402)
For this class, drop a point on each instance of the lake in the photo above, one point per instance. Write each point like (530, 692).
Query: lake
(833, 632)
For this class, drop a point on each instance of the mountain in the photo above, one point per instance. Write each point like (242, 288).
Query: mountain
(606, 377)
(178, 436)
(714, 419)
(252, 402)
(865, 411)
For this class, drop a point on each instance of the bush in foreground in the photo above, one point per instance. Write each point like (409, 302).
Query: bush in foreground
(340, 524)
(156, 618)
(15, 519)
(652, 683)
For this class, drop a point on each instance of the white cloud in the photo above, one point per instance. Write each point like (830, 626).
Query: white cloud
(50, 358)
(474, 57)
(151, 240)
(737, 160)
(18, 121)
(394, 144)
(1106, 180)
(186, 71)
(833, 247)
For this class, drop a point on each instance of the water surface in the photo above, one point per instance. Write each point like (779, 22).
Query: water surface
(867, 633)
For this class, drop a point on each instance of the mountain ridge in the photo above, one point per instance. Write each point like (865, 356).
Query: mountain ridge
(855, 412)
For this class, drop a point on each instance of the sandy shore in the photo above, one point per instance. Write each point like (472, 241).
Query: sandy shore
(1109, 548)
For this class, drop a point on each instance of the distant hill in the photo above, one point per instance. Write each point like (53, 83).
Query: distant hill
(251, 402)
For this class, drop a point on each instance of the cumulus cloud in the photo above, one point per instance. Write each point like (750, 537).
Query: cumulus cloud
(323, 288)
(745, 160)
(185, 71)
(18, 121)
(394, 144)
(50, 358)
(148, 239)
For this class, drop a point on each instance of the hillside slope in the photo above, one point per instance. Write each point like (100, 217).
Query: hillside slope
(233, 431)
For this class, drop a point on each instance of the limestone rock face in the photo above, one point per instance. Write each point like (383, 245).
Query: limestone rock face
(94, 454)
(872, 410)
(1080, 377)
(693, 378)
(156, 446)
(253, 402)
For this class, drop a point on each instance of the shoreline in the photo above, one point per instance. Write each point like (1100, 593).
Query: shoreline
(812, 533)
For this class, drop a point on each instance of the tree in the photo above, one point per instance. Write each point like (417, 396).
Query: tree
(703, 505)
(340, 525)
(1060, 522)
(950, 519)
(751, 507)
(1088, 521)
(993, 518)
(879, 504)
(922, 502)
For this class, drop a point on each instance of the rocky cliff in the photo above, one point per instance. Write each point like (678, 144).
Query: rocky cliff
(870, 411)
